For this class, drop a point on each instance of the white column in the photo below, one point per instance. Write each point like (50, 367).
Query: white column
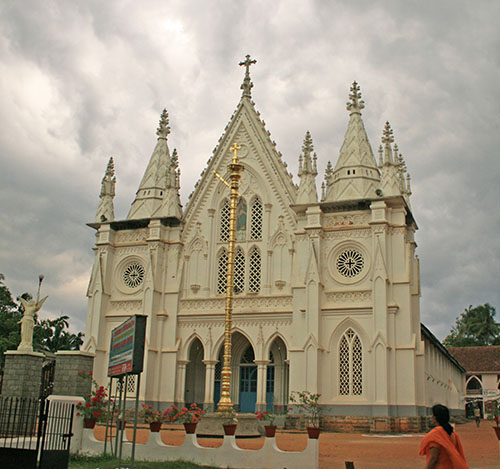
(261, 384)
(181, 381)
(209, 383)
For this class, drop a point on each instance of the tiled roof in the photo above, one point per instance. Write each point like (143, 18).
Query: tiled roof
(478, 358)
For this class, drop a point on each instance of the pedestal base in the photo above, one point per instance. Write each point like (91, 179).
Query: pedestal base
(211, 425)
(22, 374)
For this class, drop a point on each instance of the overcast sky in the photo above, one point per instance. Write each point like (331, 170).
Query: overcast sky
(81, 81)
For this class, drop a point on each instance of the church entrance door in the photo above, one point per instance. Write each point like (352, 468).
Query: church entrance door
(248, 388)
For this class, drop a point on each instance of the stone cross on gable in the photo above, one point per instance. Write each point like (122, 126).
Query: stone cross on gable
(247, 84)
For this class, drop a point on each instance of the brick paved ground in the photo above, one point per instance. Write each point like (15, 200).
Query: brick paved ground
(366, 451)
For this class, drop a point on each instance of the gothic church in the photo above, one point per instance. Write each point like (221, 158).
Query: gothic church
(326, 287)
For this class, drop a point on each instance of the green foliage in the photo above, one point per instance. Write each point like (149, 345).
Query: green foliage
(49, 335)
(475, 327)
(307, 403)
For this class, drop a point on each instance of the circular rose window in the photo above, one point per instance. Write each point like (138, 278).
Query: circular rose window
(133, 275)
(350, 263)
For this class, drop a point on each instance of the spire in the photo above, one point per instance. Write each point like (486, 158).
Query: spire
(247, 84)
(149, 196)
(106, 211)
(387, 139)
(171, 204)
(356, 175)
(307, 173)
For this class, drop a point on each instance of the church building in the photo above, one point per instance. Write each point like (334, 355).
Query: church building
(326, 286)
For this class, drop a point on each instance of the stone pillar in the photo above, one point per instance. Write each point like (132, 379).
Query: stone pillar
(66, 380)
(181, 381)
(22, 374)
(261, 404)
(209, 384)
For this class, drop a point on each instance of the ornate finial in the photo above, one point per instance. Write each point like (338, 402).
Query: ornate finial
(307, 146)
(110, 169)
(163, 130)
(356, 103)
(247, 85)
(388, 136)
(235, 149)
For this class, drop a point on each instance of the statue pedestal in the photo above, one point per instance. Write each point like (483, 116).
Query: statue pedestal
(22, 374)
(66, 380)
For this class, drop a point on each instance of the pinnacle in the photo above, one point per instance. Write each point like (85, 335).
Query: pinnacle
(388, 135)
(356, 104)
(110, 169)
(163, 130)
(307, 147)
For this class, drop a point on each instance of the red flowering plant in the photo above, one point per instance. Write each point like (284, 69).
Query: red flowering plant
(94, 405)
(270, 417)
(151, 415)
(191, 414)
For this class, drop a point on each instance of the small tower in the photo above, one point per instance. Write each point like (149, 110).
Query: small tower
(307, 173)
(171, 205)
(149, 196)
(106, 211)
(355, 175)
(392, 166)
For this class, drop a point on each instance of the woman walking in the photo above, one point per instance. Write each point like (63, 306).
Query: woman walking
(442, 445)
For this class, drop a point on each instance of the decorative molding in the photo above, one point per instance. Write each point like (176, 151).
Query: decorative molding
(346, 220)
(239, 304)
(125, 251)
(346, 234)
(237, 323)
(349, 296)
(131, 236)
(135, 305)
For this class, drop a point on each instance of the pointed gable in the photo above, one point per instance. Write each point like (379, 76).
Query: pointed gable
(356, 175)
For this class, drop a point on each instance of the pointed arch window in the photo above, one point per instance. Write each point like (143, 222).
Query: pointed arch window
(222, 272)
(239, 272)
(224, 221)
(350, 364)
(254, 271)
(241, 220)
(256, 219)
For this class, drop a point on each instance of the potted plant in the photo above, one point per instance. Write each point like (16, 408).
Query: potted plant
(189, 416)
(308, 403)
(270, 418)
(152, 416)
(93, 407)
(229, 422)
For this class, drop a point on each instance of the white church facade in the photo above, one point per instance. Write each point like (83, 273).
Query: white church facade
(327, 287)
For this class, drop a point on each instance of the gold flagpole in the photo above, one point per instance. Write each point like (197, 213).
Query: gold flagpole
(225, 404)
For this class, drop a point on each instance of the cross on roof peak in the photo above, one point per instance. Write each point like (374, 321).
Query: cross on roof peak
(247, 85)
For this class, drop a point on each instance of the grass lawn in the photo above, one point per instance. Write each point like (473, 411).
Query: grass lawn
(107, 462)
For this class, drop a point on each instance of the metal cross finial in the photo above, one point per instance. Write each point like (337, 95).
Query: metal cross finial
(356, 103)
(235, 149)
(247, 84)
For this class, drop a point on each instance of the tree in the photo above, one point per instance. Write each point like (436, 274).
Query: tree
(474, 327)
(49, 335)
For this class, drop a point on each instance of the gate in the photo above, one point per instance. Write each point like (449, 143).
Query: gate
(35, 433)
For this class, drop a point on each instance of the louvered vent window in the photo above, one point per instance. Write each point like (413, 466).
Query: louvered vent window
(222, 273)
(350, 365)
(256, 223)
(254, 273)
(224, 221)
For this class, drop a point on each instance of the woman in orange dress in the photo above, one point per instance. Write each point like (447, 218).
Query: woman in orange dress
(442, 445)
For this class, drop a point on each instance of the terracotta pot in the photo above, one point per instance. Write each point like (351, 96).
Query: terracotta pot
(497, 432)
(270, 430)
(155, 426)
(89, 423)
(229, 428)
(313, 432)
(190, 427)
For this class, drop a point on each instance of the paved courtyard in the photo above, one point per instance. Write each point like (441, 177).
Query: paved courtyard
(366, 451)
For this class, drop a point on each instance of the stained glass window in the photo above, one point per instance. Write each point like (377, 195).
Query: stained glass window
(241, 220)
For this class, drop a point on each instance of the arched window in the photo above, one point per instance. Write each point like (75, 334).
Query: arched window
(254, 271)
(241, 220)
(239, 272)
(224, 221)
(474, 385)
(222, 272)
(350, 364)
(256, 219)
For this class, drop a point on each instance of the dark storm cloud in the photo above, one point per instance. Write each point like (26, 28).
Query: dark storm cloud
(82, 81)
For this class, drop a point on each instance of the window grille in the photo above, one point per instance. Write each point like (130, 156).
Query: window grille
(254, 273)
(256, 223)
(350, 364)
(224, 221)
(239, 272)
(222, 273)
